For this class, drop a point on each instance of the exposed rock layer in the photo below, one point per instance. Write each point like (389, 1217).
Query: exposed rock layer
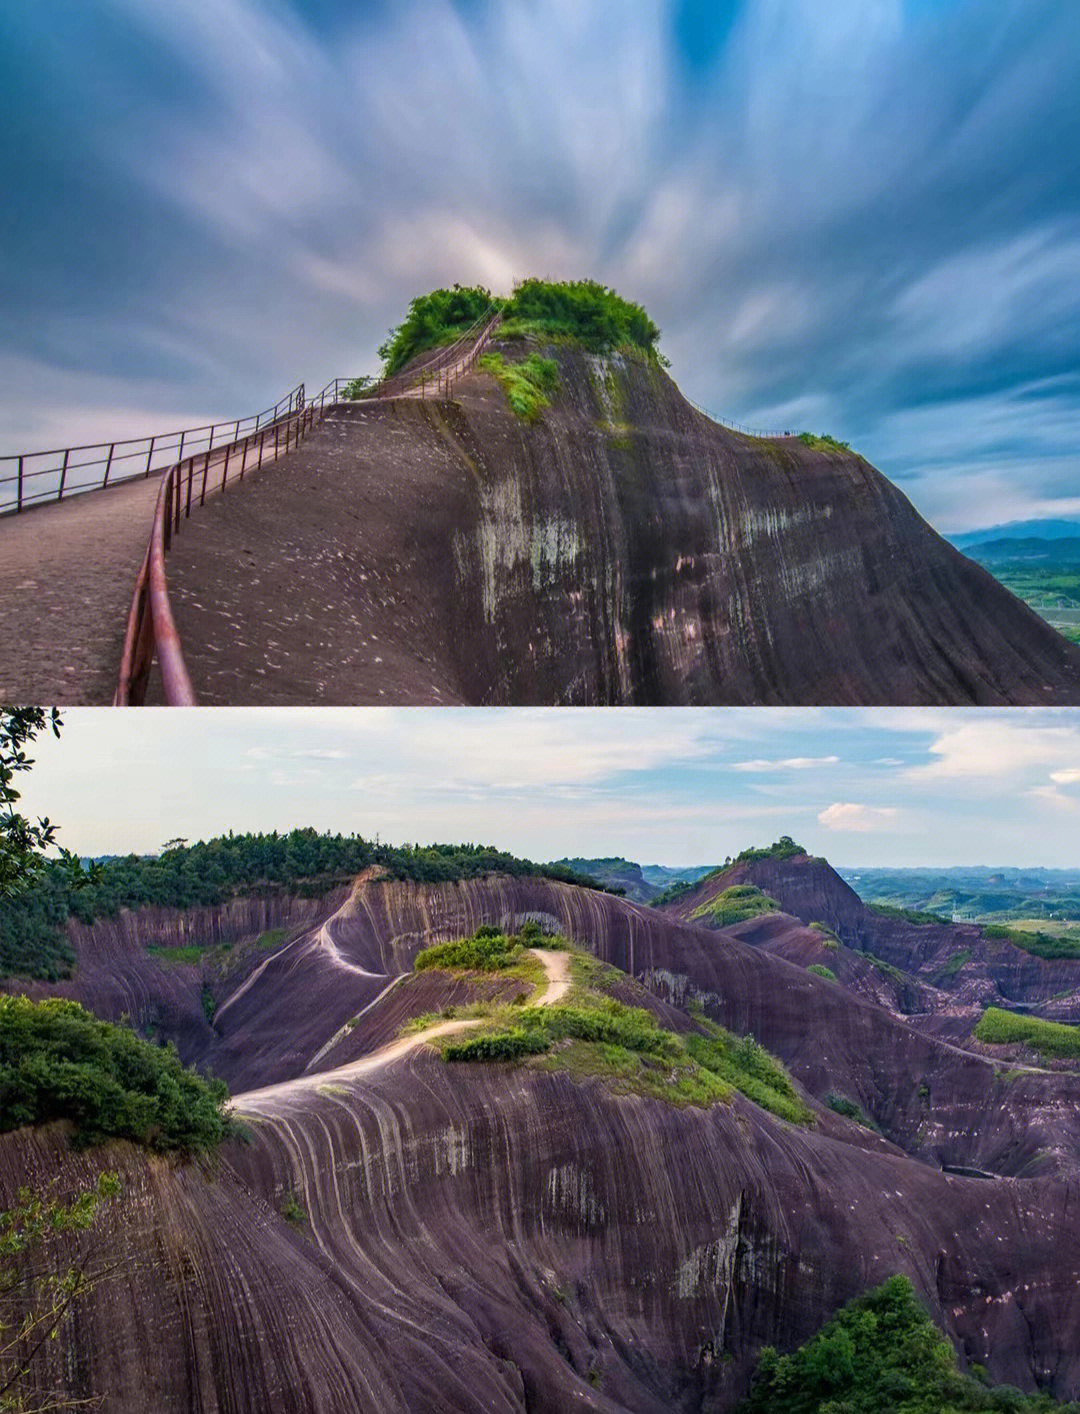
(624, 549)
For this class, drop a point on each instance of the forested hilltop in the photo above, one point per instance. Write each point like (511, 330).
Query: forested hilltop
(303, 862)
(582, 310)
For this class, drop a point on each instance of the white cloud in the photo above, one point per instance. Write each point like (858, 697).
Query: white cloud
(997, 745)
(862, 819)
(790, 763)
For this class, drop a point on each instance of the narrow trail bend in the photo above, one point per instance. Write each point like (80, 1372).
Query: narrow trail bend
(271, 1099)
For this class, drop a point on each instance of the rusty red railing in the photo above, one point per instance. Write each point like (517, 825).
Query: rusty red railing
(151, 630)
(29, 478)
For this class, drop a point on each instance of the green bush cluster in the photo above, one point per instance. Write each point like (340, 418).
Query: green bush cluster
(488, 950)
(434, 319)
(820, 970)
(1044, 945)
(59, 1061)
(841, 1105)
(187, 876)
(909, 915)
(736, 905)
(750, 1068)
(1049, 1038)
(527, 384)
(679, 889)
(823, 444)
(783, 848)
(582, 310)
(881, 1354)
(537, 1028)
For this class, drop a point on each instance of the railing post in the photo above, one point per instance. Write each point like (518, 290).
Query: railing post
(205, 473)
(243, 458)
(213, 428)
(172, 497)
(276, 430)
(150, 454)
(176, 475)
(190, 478)
(225, 469)
(180, 450)
(108, 464)
(63, 474)
(19, 493)
(236, 434)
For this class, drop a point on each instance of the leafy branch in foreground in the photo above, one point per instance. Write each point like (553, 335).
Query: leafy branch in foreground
(22, 841)
(38, 1289)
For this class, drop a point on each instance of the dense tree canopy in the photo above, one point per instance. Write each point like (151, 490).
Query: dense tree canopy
(880, 1354)
(59, 1061)
(186, 876)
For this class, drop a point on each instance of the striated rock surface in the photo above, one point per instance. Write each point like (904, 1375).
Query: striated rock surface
(502, 1238)
(623, 549)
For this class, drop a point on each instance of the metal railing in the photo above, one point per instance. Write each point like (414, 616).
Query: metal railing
(151, 629)
(29, 478)
(738, 426)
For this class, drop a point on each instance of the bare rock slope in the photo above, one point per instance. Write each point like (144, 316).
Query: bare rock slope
(622, 549)
(500, 1237)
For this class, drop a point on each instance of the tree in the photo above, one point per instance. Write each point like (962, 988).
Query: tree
(22, 841)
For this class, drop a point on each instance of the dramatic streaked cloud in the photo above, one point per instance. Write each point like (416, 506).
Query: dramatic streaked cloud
(663, 785)
(860, 216)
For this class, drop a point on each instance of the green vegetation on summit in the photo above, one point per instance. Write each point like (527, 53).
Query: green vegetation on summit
(783, 848)
(581, 310)
(59, 1061)
(595, 1034)
(881, 1354)
(303, 862)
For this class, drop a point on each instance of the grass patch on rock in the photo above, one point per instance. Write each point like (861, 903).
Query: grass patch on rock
(1047, 1038)
(820, 970)
(527, 385)
(735, 905)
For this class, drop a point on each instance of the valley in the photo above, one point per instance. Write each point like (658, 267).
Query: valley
(546, 1167)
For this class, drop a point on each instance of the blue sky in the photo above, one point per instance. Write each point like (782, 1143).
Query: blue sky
(668, 785)
(860, 216)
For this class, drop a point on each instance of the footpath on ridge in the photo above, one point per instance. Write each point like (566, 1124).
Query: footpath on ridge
(271, 1098)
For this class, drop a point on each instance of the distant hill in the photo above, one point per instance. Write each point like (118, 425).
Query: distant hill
(640, 882)
(1018, 530)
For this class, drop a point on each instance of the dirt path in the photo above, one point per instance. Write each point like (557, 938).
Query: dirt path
(270, 1099)
(67, 573)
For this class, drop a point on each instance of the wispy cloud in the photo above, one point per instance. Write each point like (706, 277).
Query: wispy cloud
(901, 268)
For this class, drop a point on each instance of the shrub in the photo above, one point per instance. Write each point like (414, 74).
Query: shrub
(751, 1069)
(434, 319)
(819, 970)
(823, 444)
(59, 1061)
(293, 1211)
(841, 1105)
(784, 848)
(1048, 1038)
(484, 952)
(880, 1354)
(583, 310)
(909, 915)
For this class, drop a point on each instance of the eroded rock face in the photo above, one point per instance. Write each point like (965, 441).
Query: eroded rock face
(623, 549)
(502, 1238)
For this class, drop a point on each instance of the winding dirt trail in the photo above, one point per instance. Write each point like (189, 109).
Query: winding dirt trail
(272, 1098)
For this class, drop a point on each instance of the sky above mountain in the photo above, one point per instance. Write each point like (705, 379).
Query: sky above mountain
(860, 217)
(665, 785)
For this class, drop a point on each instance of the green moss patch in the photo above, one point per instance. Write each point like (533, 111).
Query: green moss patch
(527, 385)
